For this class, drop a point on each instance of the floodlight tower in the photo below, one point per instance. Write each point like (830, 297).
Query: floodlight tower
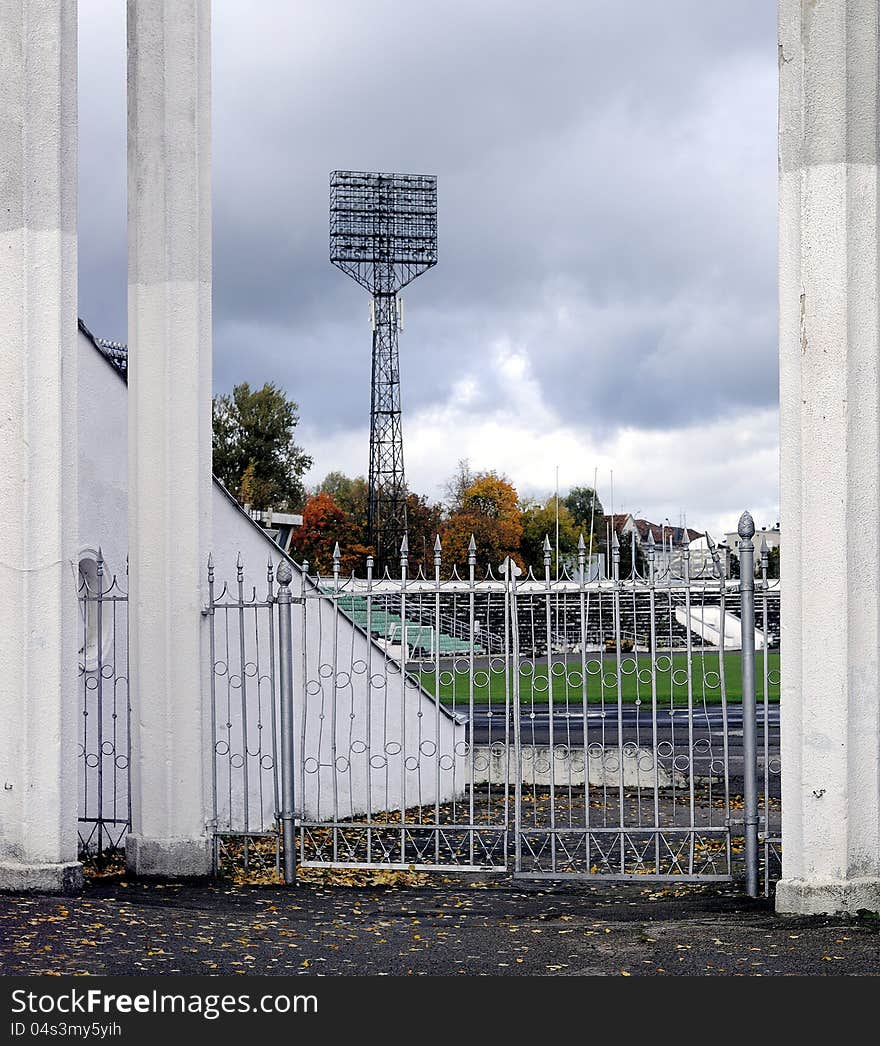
(383, 233)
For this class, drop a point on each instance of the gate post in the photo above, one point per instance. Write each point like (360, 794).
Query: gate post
(285, 658)
(170, 494)
(746, 530)
(39, 527)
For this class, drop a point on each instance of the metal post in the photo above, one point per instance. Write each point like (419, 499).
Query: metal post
(284, 575)
(746, 531)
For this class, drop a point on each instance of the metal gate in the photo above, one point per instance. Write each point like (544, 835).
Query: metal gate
(571, 726)
(623, 723)
(103, 734)
(405, 702)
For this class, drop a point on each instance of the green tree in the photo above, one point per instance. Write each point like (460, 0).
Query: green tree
(585, 507)
(539, 521)
(627, 545)
(350, 494)
(255, 455)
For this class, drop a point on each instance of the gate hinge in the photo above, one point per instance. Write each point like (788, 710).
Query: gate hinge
(741, 822)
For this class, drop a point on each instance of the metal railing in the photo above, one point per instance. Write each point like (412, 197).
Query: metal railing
(616, 730)
(246, 787)
(104, 746)
(554, 757)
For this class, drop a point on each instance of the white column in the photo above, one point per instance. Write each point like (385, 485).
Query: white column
(830, 458)
(169, 374)
(38, 446)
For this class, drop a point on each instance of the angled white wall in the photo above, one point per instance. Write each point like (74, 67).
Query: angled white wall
(103, 408)
(38, 483)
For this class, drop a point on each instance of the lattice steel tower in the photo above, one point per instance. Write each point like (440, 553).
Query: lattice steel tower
(383, 233)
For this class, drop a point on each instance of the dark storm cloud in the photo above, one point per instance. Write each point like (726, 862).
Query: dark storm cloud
(606, 192)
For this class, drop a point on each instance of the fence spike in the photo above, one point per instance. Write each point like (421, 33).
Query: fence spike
(437, 544)
(716, 556)
(582, 545)
(746, 526)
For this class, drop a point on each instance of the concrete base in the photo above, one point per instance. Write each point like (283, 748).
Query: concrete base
(827, 896)
(494, 765)
(41, 878)
(168, 858)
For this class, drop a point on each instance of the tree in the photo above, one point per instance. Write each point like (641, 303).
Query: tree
(538, 522)
(255, 455)
(586, 509)
(626, 547)
(423, 522)
(489, 509)
(350, 494)
(458, 484)
(324, 524)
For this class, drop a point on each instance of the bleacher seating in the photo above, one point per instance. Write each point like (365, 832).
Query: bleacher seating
(388, 626)
(566, 628)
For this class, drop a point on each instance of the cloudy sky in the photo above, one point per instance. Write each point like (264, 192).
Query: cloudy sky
(605, 297)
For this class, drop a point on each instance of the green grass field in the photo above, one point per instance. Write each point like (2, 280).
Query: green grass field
(567, 682)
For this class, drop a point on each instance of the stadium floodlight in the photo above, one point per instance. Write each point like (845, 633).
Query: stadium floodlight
(383, 234)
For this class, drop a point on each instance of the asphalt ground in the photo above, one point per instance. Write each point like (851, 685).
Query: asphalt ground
(424, 925)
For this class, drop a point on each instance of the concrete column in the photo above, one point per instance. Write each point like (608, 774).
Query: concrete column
(830, 458)
(169, 391)
(38, 512)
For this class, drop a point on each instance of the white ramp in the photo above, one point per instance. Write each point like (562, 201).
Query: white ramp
(706, 622)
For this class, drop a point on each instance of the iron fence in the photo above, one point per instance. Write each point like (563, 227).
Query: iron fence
(570, 726)
(104, 747)
(245, 734)
(767, 695)
(608, 729)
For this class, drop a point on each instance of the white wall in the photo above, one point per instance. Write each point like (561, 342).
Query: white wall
(322, 792)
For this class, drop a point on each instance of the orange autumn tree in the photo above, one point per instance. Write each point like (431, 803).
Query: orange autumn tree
(489, 509)
(324, 524)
